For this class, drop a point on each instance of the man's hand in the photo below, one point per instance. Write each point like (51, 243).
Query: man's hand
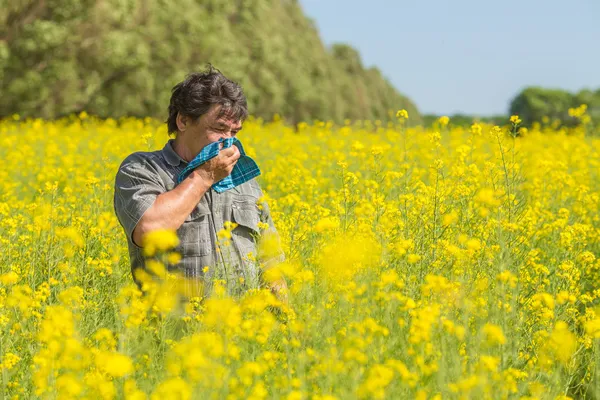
(219, 167)
(279, 289)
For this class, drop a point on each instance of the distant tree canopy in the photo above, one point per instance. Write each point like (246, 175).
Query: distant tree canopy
(122, 57)
(534, 103)
(466, 119)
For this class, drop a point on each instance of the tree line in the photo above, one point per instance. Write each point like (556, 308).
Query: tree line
(115, 58)
(537, 105)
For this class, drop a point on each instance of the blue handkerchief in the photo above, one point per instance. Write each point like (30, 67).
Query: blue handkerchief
(244, 169)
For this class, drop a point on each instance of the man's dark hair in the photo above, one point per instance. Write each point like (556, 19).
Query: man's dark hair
(200, 91)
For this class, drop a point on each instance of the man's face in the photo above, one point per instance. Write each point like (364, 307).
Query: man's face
(207, 129)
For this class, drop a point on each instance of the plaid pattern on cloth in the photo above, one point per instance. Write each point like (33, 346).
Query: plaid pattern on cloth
(244, 169)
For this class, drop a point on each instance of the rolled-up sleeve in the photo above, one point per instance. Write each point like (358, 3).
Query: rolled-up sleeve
(136, 187)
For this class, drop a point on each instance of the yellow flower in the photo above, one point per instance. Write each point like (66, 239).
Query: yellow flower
(327, 224)
(224, 234)
(159, 240)
(9, 278)
(444, 120)
(378, 378)
(9, 361)
(71, 297)
(132, 392)
(450, 218)
(496, 133)
(489, 363)
(417, 242)
(263, 225)
(476, 129)
(106, 338)
(578, 112)
(172, 389)
(515, 120)
(592, 328)
(507, 277)
(295, 395)
(222, 312)
(562, 343)
(402, 114)
(269, 247)
(69, 385)
(341, 259)
(413, 258)
(474, 244)
(114, 364)
(173, 258)
(156, 267)
(493, 334)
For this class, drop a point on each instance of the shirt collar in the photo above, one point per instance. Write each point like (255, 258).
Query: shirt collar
(170, 155)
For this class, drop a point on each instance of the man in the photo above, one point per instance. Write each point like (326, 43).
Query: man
(203, 109)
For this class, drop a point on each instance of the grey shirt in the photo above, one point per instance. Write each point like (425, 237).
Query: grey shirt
(142, 176)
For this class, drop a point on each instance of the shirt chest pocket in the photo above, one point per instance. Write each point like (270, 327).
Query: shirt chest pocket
(194, 234)
(245, 213)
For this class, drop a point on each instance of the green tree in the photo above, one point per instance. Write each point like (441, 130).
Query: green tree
(122, 57)
(534, 103)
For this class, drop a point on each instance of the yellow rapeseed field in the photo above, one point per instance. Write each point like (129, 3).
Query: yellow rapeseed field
(435, 263)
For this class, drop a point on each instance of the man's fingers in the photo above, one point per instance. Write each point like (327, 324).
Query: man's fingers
(231, 151)
(237, 153)
(228, 152)
(233, 154)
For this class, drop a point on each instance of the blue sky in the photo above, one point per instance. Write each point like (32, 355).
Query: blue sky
(470, 56)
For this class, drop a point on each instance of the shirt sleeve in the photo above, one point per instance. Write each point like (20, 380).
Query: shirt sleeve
(136, 187)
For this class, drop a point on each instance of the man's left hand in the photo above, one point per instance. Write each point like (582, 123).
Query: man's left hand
(280, 290)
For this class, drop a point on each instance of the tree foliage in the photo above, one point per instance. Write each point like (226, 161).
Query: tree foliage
(465, 120)
(122, 57)
(534, 103)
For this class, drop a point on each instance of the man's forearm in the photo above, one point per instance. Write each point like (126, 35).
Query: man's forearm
(170, 209)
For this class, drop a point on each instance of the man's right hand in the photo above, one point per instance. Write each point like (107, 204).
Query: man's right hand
(171, 208)
(220, 166)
